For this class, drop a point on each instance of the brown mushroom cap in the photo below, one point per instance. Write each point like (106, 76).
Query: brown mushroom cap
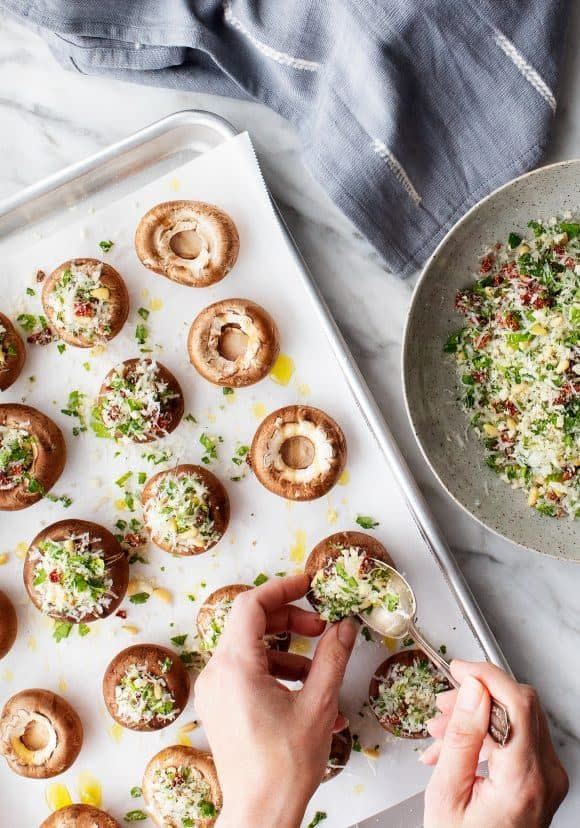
(246, 319)
(12, 366)
(150, 655)
(177, 756)
(279, 642)
(8, 624)
(190, 242)
(219, 504)
(116, 563)
(80, 816)
(48, 463)
(173, 409)
(62, 717)
(271, 478)
(340, 749)
(406, 658)
(118, 301)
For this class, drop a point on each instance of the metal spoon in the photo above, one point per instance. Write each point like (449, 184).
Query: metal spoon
(401, 624)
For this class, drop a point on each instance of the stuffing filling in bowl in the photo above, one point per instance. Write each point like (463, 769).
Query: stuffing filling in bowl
(519, 361)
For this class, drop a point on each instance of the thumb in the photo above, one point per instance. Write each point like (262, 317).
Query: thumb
(321, 688)
(456, 769)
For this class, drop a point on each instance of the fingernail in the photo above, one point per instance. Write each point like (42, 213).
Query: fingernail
(470, 695)
(348, 631)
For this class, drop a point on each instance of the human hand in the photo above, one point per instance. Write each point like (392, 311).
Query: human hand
(271, 745)
(526, 782)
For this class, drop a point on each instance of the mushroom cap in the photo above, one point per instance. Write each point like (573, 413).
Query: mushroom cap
(116, 563)
(118, 301)
(50, 458)
(262, 346)
(11, 369)
(214, 229)
(8, 624)
(80, 816)
(150, 655)
(295, 415)
(406, 658)
(217, 496)
(63, 718)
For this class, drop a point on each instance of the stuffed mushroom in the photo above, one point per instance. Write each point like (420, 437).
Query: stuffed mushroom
(186, 509)
(181, 787)
(76, 571)
(86, 302)
(403, 691)
(340, 750)
(12, 353)
(343, 579)
(146, 687)
(213, 616)
(32, 455)
(139, 401)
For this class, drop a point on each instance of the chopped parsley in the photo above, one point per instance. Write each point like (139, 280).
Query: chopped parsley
(367, 522)
(139, 598)
(106, 245)
(260, 579)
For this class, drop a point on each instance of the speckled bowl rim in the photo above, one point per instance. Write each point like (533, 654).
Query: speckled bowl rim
(424, 275)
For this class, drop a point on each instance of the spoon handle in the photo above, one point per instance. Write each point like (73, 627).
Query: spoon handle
(499, 721)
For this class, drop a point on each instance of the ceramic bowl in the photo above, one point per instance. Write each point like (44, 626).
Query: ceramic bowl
(430, 378)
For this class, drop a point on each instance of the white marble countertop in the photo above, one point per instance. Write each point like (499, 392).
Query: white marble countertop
(51, 118)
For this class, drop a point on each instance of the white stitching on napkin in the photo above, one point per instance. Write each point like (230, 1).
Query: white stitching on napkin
(528, 71)
(280, 57)
(397, 169)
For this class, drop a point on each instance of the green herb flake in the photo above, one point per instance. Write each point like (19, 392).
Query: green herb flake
(141, 334)
(135, 816)
(356, 745)
(227, 391)
(318, 817)
(84, 629)
(143, 313)
(514, 240)
(124, 478)
(136, 792)
(366, 522)
(106, 245)
(260, 579)
(139, 598)
(61, 630)
(366, 634)
(179, 640)
(30, 291)
(443, 649)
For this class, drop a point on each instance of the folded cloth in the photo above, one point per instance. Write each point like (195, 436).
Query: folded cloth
(409, 110)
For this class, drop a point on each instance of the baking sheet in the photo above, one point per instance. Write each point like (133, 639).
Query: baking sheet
(266, 534)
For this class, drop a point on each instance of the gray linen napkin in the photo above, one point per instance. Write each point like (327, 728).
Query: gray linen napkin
(409, 110)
